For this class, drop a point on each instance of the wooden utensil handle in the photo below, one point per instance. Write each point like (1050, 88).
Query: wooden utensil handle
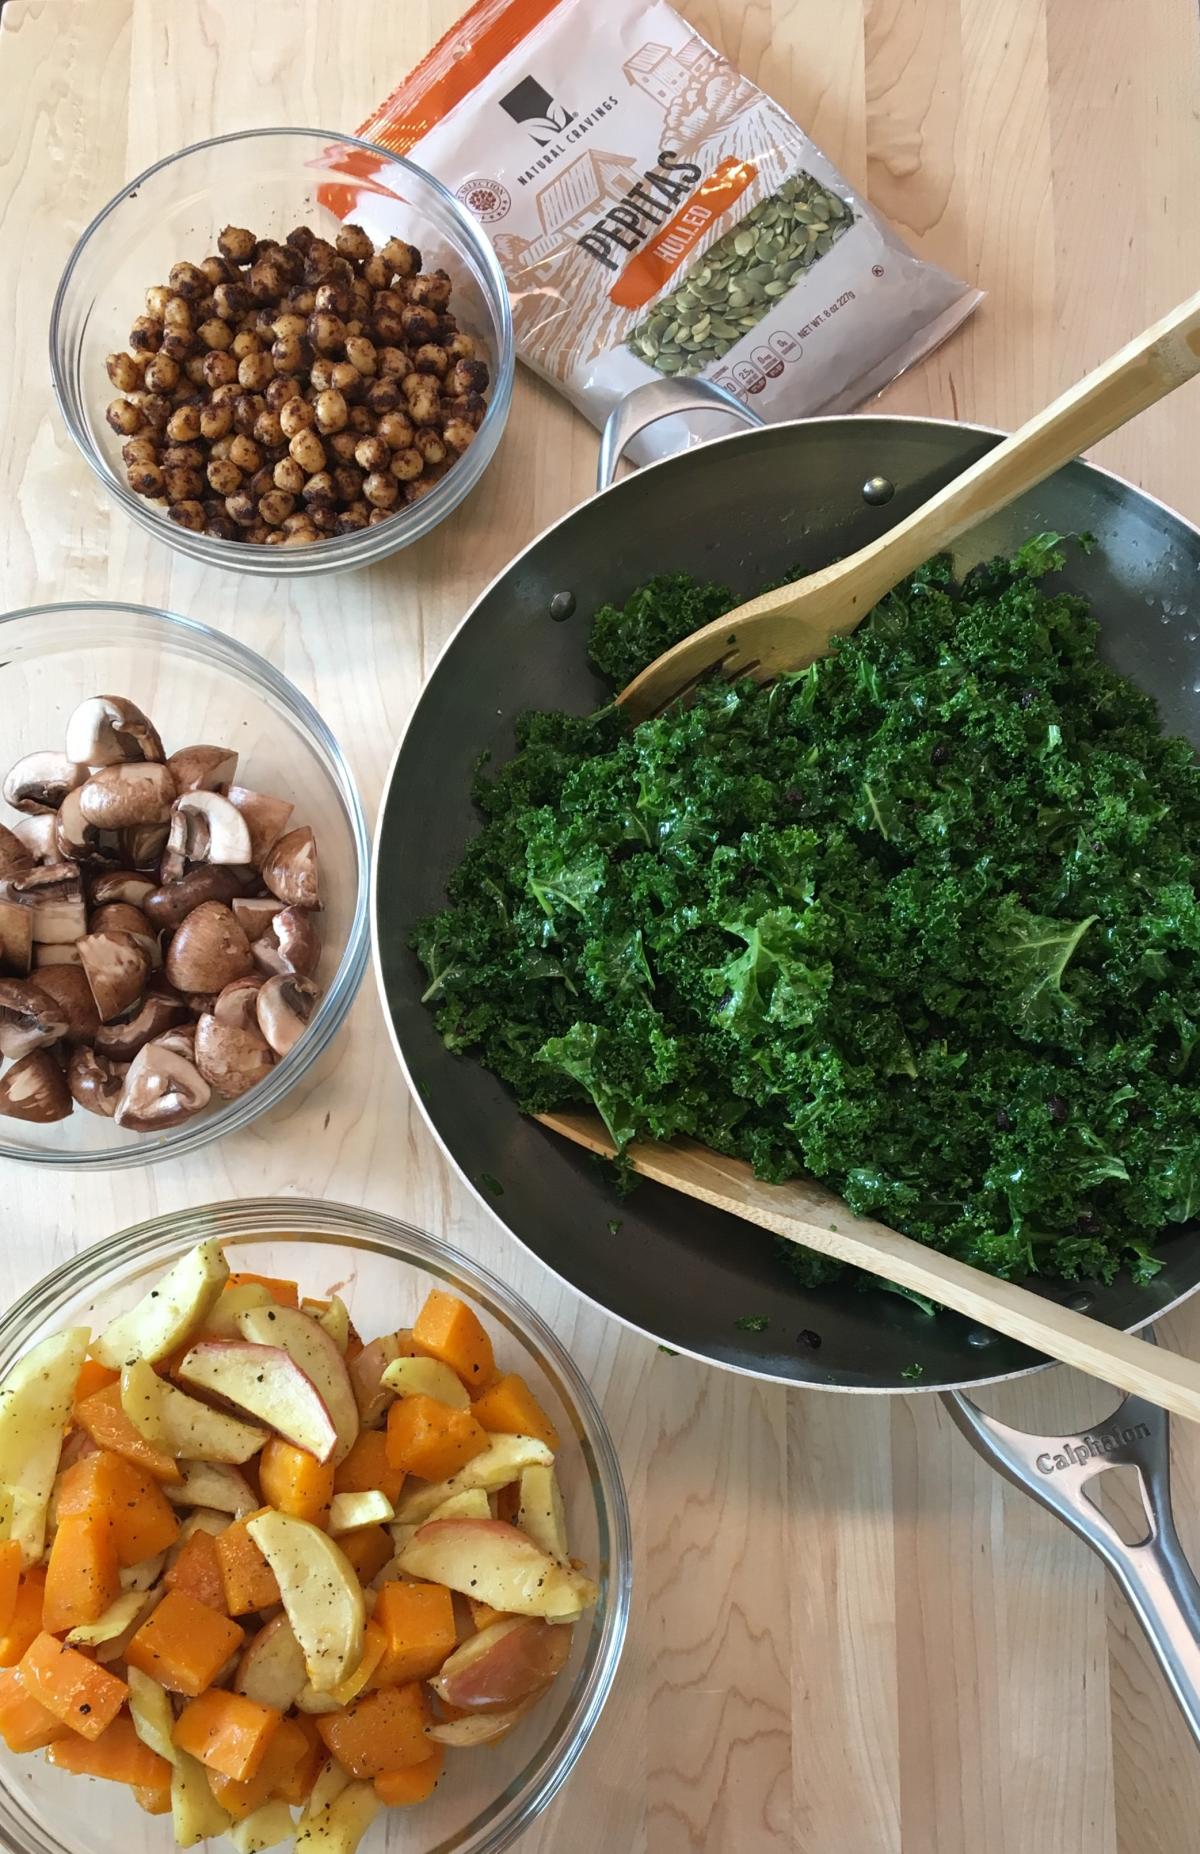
(805, 1213)
(1146, 370)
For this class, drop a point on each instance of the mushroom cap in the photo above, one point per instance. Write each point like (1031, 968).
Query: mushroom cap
(206, 828)
(120, 885)
(266, 816)
(290, 944)
(133, 792)
(41, 781)
(68, 986)
(95, 1082)
(35, 1088)
(180, 1037)
(121, 1041)
(16, 938)
(75, 839)
(168, 905)
(285, 1005)
(237, 1004)
(230, 1059)
(116, 968)
(29, 1017)
(255, 913)
(208, 950)
(143, 844)
(39, 835)
(16, 858)
(290, 869)
(202, 769)
(55, 893)
(123, 917)
(162, 1089)
(107, 730)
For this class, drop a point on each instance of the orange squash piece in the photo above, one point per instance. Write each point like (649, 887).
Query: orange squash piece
(118, 1754)
(227, 1732)
(446, 1328)
(296, 1787)
(367, 1467)
(415, 1784)
(127, 1497)
(197, 1570)
(418, 1622)
(284, 1293)
(183, 1644)
(287, 1751)
(105, 1421)
(508, 1407)
(10, 1580)
(248, 1579)
(383, 1731)
(93, 1376)
(154, 1798)
(293, 1481)
(429, 1439)
(82, 1575)
(368, 1548)
(483, 1615)
(78, 1691)
(25, 1624)
(25, 1724)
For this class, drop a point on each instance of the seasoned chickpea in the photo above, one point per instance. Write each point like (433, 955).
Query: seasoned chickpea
(362, 421)
(218, 369)
(396, 430)
(377, 272)
(189, 514)
(182, 456)
(157, 298)
(183, 484)
(288, 476)
(146, 479)
(301, 301)
(419, 326)
(218, 270)
(162, 374)
(224, 476)
(457, 434)
(193, 369)
(177, 343)
(320, 374)
(124, 372)
(156, 410)
(303, 536)
(407, 465)
(361, 354)
(461, 347)
(287, 353)
(331, 410)
(178, 314)
(381, 490)
(125, 417)
(319, 261)
(431, 290)
(215, 334)
(467, 376)
(287, 323)
(319, 488)
(262, 482)
(353, 243)
(351, 520)
(268, 431)
(220, 527)
(269, 277)
(404, 259)
(236, 244)
(308, 451)
(393, 361)
(231, 300)
(323, 517)
(468, 406)
(430, 358)
(345, 378)
(326, 332)
(184, 424)
(241, 508)
(387, 326)
(422, 395)
(246, 408)
(188, 281)
(245, 454)
(430, 445)
(145, 337)
(283, 387)
(347, 483)
(300, 238)
(372, 454)
(246, 342)
(383, 396)
(296, 415)
(215, 421)
(334, 297)
(256, 371)
(143, 449)
(275, 507)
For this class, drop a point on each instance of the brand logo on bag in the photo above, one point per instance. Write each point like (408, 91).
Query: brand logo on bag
(1076, 1451)
(487, 199)
(535, 109)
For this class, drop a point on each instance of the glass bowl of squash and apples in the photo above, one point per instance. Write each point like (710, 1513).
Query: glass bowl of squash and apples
(310, 1531)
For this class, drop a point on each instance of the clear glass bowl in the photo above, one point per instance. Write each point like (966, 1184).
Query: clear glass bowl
(268, 180)
(383, 1271)
(196, 685)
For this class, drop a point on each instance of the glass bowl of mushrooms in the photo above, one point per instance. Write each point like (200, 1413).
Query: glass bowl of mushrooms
(183, 885)
(284, 351)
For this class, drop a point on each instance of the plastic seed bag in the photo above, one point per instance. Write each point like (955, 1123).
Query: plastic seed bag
(656, 215)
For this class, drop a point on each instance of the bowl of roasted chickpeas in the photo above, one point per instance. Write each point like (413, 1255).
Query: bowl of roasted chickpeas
(284, 351)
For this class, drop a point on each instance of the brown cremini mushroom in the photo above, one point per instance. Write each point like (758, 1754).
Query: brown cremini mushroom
(208, 950)
(67, 984)
(231, 1059)
(266, 817)
(132, 793)
(94, 1082)
(40, 781)
(123, 917)
(16, 859)
(39, 835)
(171, 902)
(202, 769)
(55, 894)
(255, 914)
(206, 828)
(106, 730)
(237, 1004)
(116, 967)
(35, 1088)
(161, 1089)
(157, 1012)
(29, 1017)
(290, 869)
(119, 885)
(16, 939)
(285, 1005)
(289, 943)
(144, 844)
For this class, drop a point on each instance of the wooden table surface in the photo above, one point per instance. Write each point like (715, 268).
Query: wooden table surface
(847, 1634)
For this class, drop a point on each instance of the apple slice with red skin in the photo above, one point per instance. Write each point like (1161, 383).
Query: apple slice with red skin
(477, 1728)
(495, 1563)
(272, 1668)
(267, 1383)
(513, 1660)
(316, 1355)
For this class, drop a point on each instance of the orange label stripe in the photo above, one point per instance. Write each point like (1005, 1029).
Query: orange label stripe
(645, 274)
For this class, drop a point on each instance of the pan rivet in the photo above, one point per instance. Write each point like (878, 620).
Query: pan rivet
(878, 489)
(561, 606)
(979, 1337)
(1079, 1303)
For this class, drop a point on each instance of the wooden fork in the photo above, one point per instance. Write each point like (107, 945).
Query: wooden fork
(790, 627)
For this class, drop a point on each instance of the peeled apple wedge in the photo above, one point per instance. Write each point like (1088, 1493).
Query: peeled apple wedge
(182, 1425)
(232, 1301)
(166, 1317)
(340, 1827)
(116, 1619)
(216, 1485)
(35, 1402)
(266, 1382)
(479, 1728)
(264, 1827)
(320, 1592)
(501, 1463)
(426, 1377)
(334, 1318)
(312, 1350)
(349, 1511)
(541, 1513)
(196, 1813)
(491, 1561)
(153, 1719)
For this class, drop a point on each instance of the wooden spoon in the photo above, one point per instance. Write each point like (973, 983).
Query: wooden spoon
(805, 1213)
(790, 627)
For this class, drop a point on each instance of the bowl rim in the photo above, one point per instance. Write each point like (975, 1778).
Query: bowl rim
(238, 660)
(275, 1217)
(343, 550)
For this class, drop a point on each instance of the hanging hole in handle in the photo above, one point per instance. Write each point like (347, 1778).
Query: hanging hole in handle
(1119, 1494)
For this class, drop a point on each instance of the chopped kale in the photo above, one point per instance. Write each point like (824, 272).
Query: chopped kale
(752, 1323)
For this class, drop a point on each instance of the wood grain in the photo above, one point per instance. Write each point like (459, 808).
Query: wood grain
(847, 1634)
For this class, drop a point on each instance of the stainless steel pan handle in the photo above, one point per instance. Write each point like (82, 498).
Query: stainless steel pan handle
(1157, 1579)
(645, 405)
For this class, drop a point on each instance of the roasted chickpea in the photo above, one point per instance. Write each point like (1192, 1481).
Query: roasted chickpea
(296, 415)
(345, 378)
(268, 431)
(288, 476)
(323, 517)
(146, 479)
(331, 410)
(381, 490)
(215, 421)
(384, 395)
(301, 301)
(246, 408)
(193, 370)
(457, 434)
(182, 456)
(347, 483)
(231, 300)
(340, 444)
(361, 354)
(467, 376)
(351, 520)
(407, 465)
(387, 326)
(178, 344)
(143, 449)
(303, 536)
(404, 259)
(353, 243)
(241, 508)
(287, 353)
(218, 270)
(468, 406)
(430, 358)
(275, 507)
(215, 335)
(362, 421)
(372, 454)
(262, 482)
(162, 374)
(124, 372)
(184, 424)
(396, 430)
(188, 514)
(157, 298)
(319, 261)
(236, 244)
(245, 342)
(125, 417)
(334, 297)
(224, 476)
(326, 332)
(418, 326)
(218, 369)
(145, 337)
(245, 454)
(377, 272)
(319, 488)
(300, 239)
(283, 387)
(320, 373)
(393, 361)
(188, 281)
(430, 445)
(183, 484)
(422, 395)
(177, 314)
(156, 410)
(431, 290)
(308, 451)
(255, 371)
(220, 527)
(268, 278)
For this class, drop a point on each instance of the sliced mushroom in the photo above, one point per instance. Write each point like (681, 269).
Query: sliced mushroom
(116, 968)
(290, 944)
(144, 844)
(39, 835)
(68, 986)
(206, 828)
(95, 1082)
(202, 769)
(208, 950)
(55, 894)
(41, 781)
(162, 1089)
(75, 838)
(108, 730)
(119, 885)
(16, 858)
(29, 1017)
(123, 917)
(255, 914)
(266, 817)
(231, 1060)
(35, 1088)
(285, 1005)
(237, 1005)
(55, 953)
(170, 904)
(136, 792)
(181, 1038)
(157, 1012)
(16, 939)
(290, 869)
